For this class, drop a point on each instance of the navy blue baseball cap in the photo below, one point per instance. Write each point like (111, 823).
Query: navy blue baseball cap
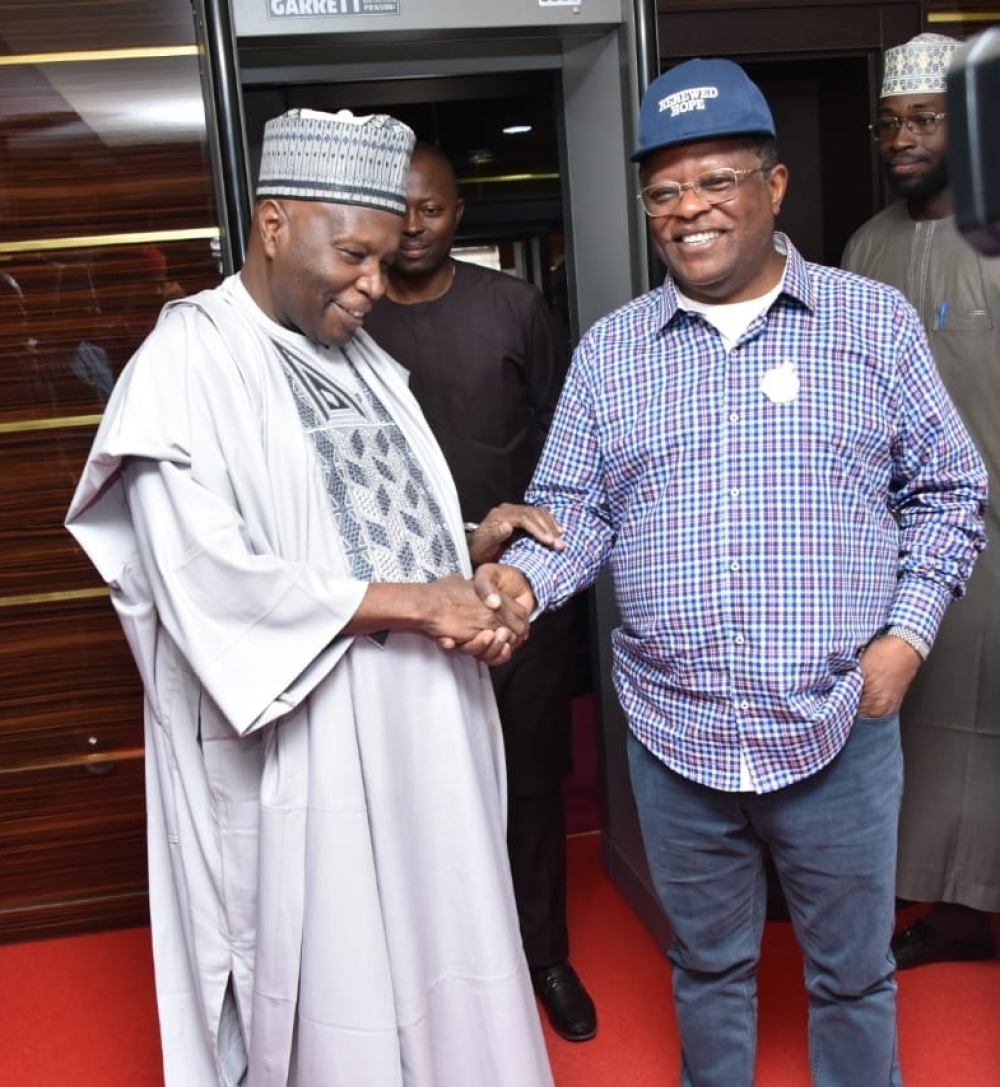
(701, 100)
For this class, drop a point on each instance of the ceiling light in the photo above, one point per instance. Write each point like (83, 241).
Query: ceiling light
(516, 130)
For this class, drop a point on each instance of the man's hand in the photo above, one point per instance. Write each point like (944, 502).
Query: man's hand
(449, 610)
(495, 631)
(507, 593)
(888, 666)
(501, 524)
(486, 647)
(455, 614)
(496, 582)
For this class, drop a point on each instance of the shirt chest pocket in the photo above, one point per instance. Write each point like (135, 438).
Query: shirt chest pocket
(958, 321)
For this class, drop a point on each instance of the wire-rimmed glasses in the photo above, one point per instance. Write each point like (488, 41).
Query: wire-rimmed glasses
(886, 129)
(715, 187)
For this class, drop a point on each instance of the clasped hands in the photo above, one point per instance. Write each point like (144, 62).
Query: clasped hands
(488, 616)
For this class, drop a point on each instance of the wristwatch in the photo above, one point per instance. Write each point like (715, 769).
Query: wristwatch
(470, 527)
(910, 637)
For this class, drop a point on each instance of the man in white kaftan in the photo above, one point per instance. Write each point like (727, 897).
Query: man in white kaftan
(329, 892)
(949, 825)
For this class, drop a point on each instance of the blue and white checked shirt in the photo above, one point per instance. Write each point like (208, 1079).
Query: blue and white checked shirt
(757, 546)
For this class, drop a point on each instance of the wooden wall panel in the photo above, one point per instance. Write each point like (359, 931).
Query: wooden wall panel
(80, 316)
(73, 692)
(963, 19)
(113, 188)
(778, 29)
(71, 834)
(107, 210)
(808, 8)
(39, 470)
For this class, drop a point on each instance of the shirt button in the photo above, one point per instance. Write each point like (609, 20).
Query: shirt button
(739, 639)
(734, 566)
(735, 417)
(735, 492)
(744, 705)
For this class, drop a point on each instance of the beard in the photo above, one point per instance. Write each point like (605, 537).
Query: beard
(922, 187)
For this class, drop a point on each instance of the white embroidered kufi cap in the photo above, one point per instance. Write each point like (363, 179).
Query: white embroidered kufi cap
(919, 66)
(336, 158)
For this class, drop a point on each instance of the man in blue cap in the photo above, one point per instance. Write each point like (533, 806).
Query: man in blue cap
(763, 452)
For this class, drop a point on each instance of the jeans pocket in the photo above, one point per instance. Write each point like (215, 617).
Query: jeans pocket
(883, 718)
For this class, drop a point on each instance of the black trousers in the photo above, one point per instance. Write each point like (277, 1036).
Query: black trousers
(534, 698)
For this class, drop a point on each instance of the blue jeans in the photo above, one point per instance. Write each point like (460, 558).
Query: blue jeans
(833, 841)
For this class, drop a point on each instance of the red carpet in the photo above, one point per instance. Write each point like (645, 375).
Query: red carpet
(80, 1013)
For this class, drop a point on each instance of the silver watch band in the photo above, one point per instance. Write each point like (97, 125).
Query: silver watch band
(911, 638)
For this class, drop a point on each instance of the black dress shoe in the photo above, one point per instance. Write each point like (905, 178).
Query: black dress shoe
(920, 944)
(566, 1002)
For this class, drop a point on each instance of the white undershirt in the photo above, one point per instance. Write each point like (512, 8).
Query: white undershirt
(730, 319)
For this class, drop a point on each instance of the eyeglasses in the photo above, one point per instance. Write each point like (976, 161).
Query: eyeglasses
(715, 187)
(885, 129)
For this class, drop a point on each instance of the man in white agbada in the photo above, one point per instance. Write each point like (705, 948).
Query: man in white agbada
(329, 891)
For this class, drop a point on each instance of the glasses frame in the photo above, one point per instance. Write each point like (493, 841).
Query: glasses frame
(895, 123)
(739, 176)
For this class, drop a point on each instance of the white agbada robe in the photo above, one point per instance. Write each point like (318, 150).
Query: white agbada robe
(325, 813)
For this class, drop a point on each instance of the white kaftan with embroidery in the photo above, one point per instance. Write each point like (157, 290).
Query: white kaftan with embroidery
(329, 891)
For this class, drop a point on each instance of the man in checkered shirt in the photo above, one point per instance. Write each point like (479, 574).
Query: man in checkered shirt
(763, 452)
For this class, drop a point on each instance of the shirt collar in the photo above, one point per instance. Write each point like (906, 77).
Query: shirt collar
(796, 284)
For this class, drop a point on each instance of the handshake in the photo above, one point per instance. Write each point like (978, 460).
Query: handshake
(487, 616)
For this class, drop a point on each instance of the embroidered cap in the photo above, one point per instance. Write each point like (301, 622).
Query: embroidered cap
(918, 66)
(701, 100)
(336, 158)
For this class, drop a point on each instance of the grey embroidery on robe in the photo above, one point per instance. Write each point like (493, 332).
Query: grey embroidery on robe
(389, 522)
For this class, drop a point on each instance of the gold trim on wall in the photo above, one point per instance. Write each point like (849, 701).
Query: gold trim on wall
(94, 241)
(146, 52)
(504, 178)
(24, 426)
(99, 762)
(50, 598)
(964, 17)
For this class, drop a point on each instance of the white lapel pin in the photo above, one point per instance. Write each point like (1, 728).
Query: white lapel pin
(781, 383)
